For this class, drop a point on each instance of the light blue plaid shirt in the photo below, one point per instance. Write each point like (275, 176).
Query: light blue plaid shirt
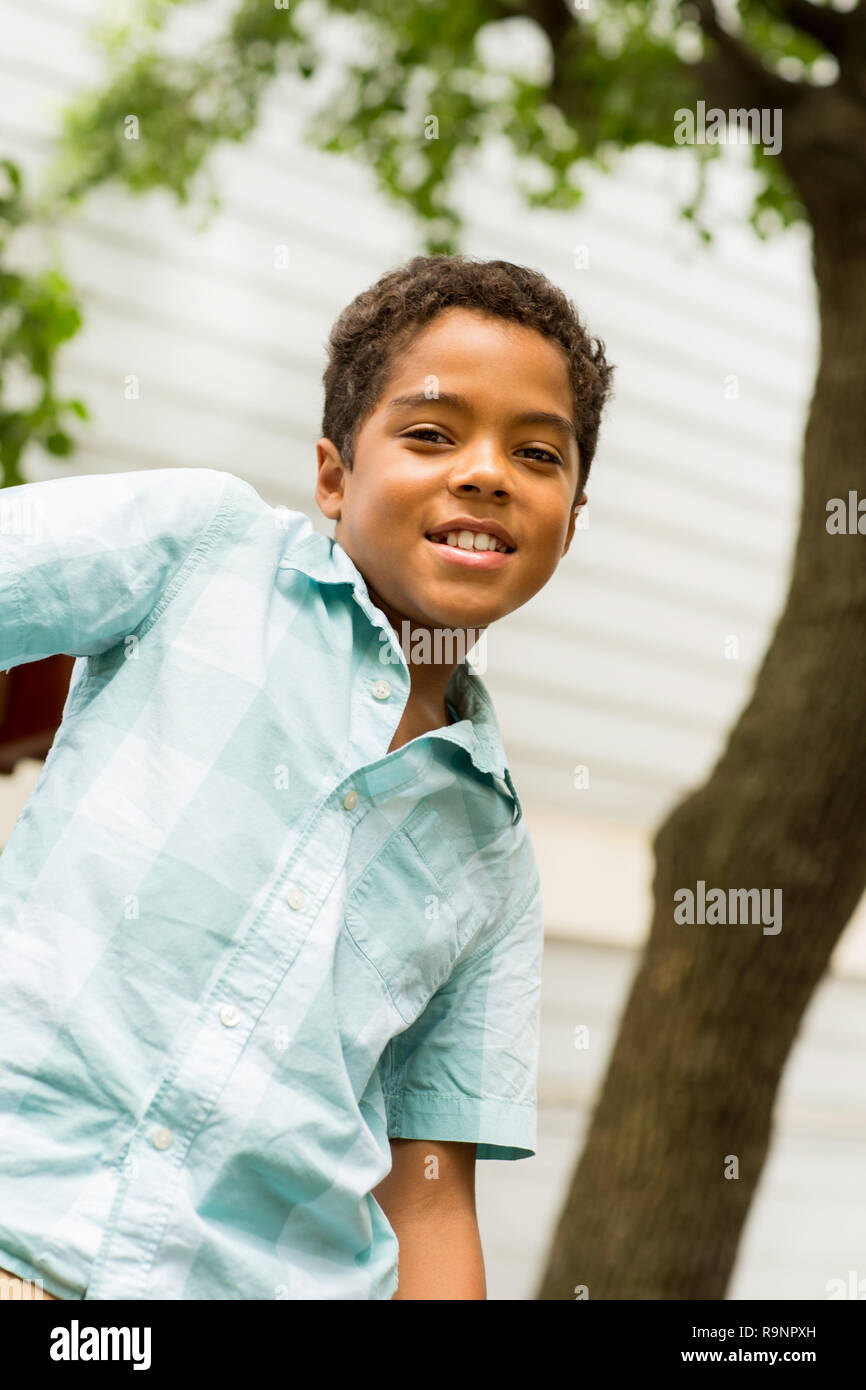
(241, 944)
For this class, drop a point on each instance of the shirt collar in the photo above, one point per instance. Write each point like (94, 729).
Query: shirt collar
(325, 561)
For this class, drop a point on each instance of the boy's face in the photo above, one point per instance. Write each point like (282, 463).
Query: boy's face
(422, 465)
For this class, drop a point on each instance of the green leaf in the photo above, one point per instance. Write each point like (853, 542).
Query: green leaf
(58, 442)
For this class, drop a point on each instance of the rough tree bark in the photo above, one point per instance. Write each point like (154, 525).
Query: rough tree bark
(714, 1010)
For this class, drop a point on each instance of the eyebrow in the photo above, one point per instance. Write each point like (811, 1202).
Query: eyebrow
(525, 417)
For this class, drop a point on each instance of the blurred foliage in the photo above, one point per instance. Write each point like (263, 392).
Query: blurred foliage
(610, 77)
(37, 314)
(421, 85)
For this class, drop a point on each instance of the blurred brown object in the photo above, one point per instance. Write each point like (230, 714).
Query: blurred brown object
(31, 704)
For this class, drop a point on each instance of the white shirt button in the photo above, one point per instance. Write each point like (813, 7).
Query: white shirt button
(162, 1138)
(381, 690)
(296, 898)
(350, 800)
(229, 1015)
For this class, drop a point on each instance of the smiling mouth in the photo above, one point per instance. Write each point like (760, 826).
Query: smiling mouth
(467, 542)
(468, 557)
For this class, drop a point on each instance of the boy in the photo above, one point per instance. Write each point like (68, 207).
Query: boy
(270, 922)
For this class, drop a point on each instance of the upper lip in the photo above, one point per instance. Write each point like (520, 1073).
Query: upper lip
(474, 523)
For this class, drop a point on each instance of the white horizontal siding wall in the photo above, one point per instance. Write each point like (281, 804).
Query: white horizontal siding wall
(619, 663)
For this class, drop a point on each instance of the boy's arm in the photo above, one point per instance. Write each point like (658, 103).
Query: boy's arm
(429, 1200)
(84, 559)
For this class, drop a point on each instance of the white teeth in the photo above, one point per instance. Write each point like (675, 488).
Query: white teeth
(474, 540)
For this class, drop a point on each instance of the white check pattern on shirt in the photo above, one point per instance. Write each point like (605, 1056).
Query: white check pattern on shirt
(241, 944)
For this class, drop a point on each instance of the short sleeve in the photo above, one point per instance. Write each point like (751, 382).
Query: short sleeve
(467, 1068)
(85, 559)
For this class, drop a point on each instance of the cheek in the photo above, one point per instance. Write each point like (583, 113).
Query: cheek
(392, 523)
(381, 540)
(394, 493)
(543, 563)
(372, 520)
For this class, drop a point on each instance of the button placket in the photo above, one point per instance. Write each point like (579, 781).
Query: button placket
(211, 1054)
(203, 1063)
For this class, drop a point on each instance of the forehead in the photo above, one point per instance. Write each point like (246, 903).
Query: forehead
(485, 352)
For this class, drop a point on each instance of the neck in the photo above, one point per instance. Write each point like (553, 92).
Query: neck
(432, 655)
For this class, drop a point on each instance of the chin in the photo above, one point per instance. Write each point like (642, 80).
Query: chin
(465, 619)
(433, 609)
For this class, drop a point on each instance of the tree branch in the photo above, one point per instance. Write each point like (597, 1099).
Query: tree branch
(739, 67)
(829, 27)
(561, 25)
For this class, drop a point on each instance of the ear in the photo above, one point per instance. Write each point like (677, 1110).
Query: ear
(581, 502)
(329, 484)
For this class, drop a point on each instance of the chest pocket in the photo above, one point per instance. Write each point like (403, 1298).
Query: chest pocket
(404, 920)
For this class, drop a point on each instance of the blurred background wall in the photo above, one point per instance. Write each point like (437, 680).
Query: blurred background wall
(631, 664)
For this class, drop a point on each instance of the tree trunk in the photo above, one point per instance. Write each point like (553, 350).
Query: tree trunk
(714, 1009)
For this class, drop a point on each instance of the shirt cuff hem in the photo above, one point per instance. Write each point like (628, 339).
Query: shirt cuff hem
(499, 1129)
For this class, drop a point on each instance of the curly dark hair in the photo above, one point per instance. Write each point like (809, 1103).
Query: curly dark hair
(382, 321)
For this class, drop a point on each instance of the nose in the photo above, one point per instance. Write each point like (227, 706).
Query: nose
(481, 470)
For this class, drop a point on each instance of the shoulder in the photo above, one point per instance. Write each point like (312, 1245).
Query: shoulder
(523, 905)
(152, 502)
(202, 486)
(516, 852)
(207, 489)
(512, 907)
(199, 499)
(294, 529)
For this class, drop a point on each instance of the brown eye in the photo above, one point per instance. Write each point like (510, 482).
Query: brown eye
(416, 434)
(548, 457)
